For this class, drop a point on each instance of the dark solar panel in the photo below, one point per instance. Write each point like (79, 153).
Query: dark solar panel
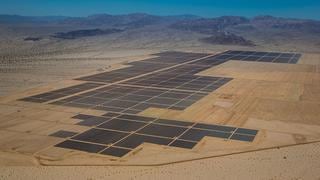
(242, 137)
(60, 93)
(100, 136)
(115, 151)
(63, 134)
(81, 146)
(183, 144)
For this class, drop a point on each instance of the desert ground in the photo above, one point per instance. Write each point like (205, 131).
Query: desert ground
(296, 162)
(279, 101)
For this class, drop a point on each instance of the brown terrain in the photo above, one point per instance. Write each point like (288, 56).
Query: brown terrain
(279, 100)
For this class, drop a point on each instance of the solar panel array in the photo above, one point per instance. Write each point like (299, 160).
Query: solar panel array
(171, 70)
(169, 81)
(117, 134)
(169, 88)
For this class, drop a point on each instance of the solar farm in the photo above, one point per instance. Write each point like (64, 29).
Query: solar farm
(170, 107)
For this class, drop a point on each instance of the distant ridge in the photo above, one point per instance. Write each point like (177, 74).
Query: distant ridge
(131, 20)
(85, 33)
(224, 30)
(181, 22)
(210, 25)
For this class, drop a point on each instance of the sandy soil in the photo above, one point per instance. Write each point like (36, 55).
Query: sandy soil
(294, 162)
(33, 72)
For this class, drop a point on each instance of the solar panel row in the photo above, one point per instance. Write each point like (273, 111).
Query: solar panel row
(181, 78)
(60, 93)
(130, 99)
(273, 57)
(145, 66)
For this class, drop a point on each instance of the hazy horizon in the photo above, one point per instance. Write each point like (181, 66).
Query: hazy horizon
(307, 9)
(104, 13)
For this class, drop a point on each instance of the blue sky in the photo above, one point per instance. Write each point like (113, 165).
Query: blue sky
(207, 8)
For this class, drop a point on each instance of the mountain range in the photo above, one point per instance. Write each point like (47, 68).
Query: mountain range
(183, 22)
(157, 31)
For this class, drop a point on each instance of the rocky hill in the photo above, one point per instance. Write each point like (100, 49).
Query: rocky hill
(224, 38)
(209, 26)
(300, 25)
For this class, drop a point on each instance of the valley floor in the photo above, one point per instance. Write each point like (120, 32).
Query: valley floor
(287, 148)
